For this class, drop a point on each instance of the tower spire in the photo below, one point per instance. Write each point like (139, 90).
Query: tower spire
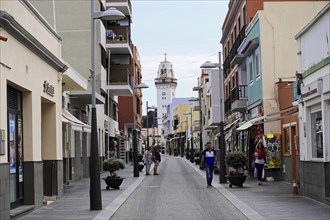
(165, 56)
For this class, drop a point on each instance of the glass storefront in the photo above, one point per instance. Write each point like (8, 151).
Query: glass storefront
(15, 146)
(317, 134)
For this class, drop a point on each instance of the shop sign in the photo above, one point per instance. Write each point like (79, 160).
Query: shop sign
(310, 91)
(49, 89)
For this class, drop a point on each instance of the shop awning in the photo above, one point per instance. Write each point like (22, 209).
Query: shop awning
(248, 124)
(267, 118)
(231, 124)
(75, 123)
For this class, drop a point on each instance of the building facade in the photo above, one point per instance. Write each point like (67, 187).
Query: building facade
(314, 106)
(30, 108)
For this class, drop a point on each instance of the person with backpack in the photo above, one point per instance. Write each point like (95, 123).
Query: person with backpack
(208, 160)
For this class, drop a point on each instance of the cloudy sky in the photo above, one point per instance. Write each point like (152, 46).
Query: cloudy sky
(188, 31)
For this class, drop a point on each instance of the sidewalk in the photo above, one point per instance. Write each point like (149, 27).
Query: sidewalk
(75, 203)
(272, 200)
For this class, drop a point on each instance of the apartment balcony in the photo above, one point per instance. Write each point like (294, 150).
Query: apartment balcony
(110, 125)
(214, 119)
(228, 105)
(196, 126)
(196, 106)
(124, 6)
(121, 80)
(239, 98)
(118, 39)
(233, 51)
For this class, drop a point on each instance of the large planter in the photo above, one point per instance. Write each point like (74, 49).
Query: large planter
(236, 180)
(113, 182)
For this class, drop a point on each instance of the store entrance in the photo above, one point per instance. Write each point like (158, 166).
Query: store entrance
(15, 147)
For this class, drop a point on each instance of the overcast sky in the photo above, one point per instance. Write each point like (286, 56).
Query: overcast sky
(188, 31)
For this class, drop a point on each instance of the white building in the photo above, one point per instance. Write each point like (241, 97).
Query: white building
(166, 85)
(314, 106)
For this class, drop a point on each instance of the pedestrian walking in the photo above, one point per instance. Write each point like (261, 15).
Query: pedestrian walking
(208, 160)
(156, 159)
(148, 160)
(260, 158)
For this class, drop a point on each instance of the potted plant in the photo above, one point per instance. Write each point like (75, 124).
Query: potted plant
(236, 160)
(112, 165)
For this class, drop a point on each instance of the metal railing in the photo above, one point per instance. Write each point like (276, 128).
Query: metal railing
(239, 92)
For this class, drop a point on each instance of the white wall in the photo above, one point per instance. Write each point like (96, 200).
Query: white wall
(317, 35)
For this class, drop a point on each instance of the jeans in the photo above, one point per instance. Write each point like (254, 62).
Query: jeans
(259, 170)
(209, 173)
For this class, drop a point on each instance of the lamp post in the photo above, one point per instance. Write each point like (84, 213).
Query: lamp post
(152, 107)
(95, 186)
(222, 146)
(191, 136)
(135, 150)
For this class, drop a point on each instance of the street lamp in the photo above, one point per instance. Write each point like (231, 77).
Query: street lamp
(153, 108)
(135, 153)
(191, 136)
(222, 146)
(95, 185)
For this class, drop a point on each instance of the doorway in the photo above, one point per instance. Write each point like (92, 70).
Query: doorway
(15, 147)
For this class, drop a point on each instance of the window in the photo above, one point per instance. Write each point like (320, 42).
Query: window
(251, 70)
(235, 31)
(239, 23)
(258, 72)
(286, 140)
(317, 134)
(244, 16)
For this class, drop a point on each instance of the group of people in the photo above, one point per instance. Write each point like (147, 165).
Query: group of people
(151, 157)
(209, 160)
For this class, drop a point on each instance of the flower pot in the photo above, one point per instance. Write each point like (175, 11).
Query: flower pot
(113, 182)
(236, 180)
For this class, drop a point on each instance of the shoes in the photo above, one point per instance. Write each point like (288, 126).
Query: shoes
(156, 173)
(209, 185)
(260, 183)
(147, 174)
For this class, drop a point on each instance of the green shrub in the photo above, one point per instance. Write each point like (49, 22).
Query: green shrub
(112, 165)
(235, 160)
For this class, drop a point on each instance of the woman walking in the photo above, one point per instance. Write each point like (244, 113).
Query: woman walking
(260, 155)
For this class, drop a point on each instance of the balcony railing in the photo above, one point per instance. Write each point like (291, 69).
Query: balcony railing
(120, 75)
(118, 34)
(227, 104)
(196, 126)
(239, 92)
(239, 96)
(233, 51)
(161, 80)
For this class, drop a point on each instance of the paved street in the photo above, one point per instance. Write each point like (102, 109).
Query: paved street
(178, 192)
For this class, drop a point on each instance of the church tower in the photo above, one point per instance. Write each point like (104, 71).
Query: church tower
(165, 84)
